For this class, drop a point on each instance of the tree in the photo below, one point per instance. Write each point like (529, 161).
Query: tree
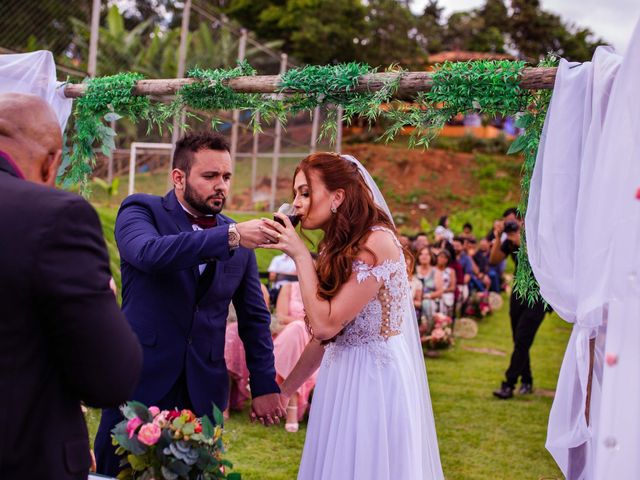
(33, 24)
(535, 32)
(392, 35)
(430, 26)
(313, 31)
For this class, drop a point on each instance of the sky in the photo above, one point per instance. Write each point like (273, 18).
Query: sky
(611, 20)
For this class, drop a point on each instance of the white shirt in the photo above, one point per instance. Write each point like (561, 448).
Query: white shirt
(282, 264)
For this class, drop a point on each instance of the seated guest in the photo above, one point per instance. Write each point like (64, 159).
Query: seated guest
(442, 231)
(467, 231)
(416, 287)
(432, 288)
(287, 348)
(234, 356)
(479, 252)
(282, 270)
(447, 301)
(63, 338)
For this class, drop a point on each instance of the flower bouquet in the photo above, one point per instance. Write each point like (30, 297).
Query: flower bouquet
(170, 445)
(441, 336)
(478, 305)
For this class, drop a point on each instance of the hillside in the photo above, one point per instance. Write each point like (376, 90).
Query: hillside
(419, 185)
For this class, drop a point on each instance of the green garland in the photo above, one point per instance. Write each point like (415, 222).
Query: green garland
(532, 121)
(106, 99)
(488, 87)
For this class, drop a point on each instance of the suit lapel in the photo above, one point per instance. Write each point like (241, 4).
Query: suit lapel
(179, 216)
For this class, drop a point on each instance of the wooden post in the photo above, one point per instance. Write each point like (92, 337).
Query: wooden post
(314, 129)
(276, 146)
(254, 160)
(178, 121)
(242, 47)
(587, 407)
(92, 63)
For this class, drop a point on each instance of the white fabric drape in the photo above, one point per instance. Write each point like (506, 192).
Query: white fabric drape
(35, 73)
(582, 223)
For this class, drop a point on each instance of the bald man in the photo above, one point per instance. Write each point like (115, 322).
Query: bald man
(63, 338)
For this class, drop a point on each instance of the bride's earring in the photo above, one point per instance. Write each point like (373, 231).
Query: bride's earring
(334, 209)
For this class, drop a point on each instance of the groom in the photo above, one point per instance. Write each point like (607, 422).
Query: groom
(182, 264)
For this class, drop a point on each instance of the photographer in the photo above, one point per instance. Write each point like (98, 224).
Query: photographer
(525, 318)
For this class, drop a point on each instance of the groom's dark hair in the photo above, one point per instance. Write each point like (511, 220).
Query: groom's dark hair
(194, 142)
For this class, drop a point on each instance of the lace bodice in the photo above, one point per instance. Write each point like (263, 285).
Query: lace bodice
(382, 317)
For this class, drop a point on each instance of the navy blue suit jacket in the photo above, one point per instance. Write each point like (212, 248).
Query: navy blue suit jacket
(160, 254)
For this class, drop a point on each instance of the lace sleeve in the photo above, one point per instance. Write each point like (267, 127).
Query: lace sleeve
(380, 272)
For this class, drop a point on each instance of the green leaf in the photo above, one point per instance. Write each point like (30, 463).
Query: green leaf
(112, 117)
(136, 462)
(188, 429)
(524, 121)
(217, 415)
(141, 411)
(207, 427)
(518, 145)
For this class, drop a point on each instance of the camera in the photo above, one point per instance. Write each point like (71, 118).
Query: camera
(511, 227)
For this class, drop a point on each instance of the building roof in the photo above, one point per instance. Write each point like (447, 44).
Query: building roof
(464, 56)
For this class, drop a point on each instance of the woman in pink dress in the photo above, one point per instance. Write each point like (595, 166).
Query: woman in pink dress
(287, 348)
(234, 357)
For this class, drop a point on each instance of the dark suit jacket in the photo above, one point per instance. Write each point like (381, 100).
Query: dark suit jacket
(179, 332)
(63, 338)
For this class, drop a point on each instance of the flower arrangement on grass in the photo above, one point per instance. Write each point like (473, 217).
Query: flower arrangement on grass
(170, 445)
(478, 305)
(441, 336)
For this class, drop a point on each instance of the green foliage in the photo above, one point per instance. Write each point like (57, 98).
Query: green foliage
(212, 94)
(106, 99)
(532, 121)
(334, 85)
(488, 87)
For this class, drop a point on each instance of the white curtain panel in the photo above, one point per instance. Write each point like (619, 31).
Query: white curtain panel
(582, 231)
(35, 73)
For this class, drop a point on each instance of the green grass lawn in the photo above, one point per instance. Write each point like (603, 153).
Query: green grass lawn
(480, 437)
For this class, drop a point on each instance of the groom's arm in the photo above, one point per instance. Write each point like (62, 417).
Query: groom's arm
(142, 246)
(254, 322)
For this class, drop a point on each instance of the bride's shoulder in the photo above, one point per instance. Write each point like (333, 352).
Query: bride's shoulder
(380, 245)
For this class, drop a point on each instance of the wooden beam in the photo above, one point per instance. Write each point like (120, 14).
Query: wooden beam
(410, 83)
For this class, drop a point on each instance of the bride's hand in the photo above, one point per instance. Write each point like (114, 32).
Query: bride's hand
(282, 238)
(284, 402)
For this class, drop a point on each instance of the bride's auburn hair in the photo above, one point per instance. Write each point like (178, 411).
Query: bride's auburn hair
(349, 227)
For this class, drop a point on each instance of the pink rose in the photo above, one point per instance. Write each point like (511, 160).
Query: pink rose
(132, 426)
(154, 411)
(161, 418)
(149, 434)
(437, 333)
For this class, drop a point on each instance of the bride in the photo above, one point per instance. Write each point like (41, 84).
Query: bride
(371, 414)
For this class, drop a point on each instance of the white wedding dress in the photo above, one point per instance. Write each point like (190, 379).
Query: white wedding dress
(369, 416)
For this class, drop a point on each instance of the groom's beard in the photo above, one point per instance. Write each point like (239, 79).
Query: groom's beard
(211, 205)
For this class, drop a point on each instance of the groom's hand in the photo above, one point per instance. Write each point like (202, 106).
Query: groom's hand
(266, 409)
(252, 233)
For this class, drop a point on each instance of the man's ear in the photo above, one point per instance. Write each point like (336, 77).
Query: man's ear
(49, 168)
(178, 178)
